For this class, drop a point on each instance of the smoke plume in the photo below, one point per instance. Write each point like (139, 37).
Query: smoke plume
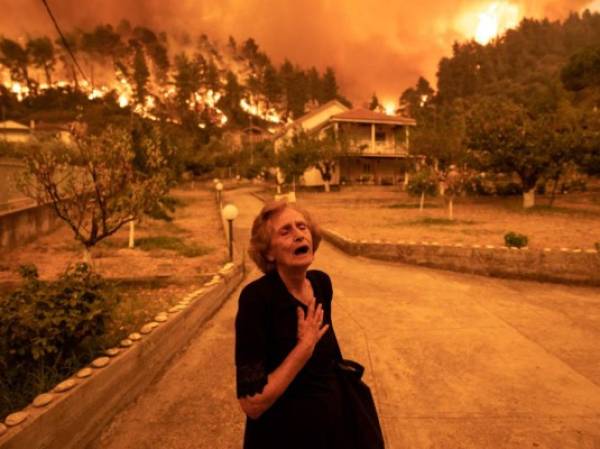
(375, 46)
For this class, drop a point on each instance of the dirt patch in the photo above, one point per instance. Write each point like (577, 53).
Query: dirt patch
(385, 213)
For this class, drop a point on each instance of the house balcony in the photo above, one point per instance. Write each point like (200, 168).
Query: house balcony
(365, 148)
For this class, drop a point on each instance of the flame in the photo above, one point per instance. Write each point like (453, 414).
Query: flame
(204, 99)
(258, 110)
(497, 18)
(123, 100)
(389, 108)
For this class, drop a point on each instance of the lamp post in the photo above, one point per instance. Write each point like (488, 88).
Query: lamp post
(219, 188)
(230, 212)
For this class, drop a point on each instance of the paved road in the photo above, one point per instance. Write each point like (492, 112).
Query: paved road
(455, 361)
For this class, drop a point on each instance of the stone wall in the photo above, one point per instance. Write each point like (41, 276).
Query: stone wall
(564, 265)
(24, 225)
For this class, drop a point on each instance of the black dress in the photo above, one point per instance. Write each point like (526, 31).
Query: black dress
(309, 414)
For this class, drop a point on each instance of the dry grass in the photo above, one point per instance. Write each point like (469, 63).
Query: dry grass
(170, 260)
(386, 213)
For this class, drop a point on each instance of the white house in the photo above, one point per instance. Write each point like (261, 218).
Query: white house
(15, 132)
(379, 143)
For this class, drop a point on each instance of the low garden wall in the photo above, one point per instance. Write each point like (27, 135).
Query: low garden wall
(563, 265)
(21, 226)
(74, 413)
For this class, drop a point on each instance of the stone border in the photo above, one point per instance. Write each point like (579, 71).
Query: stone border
(574, 266)
(74, 413)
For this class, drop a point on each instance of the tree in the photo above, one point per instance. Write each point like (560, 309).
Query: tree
(16, 59)
(41, 51)
(374, 104)
(297, 155)
(329, 147)
(95, 186)
(230, 101)
(424, 182)
(506, 139)
(330, 87)
(187, 83)
(271, 85)
(141, 74)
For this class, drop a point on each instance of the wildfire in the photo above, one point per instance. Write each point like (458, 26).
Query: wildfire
(256, 109)
(389, 108)
(497, 18)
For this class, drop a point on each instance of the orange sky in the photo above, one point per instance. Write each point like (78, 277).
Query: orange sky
(375, 46)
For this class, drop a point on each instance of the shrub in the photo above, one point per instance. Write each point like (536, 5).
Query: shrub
(48, 321)
(509, 188)
(512, 239)
(422, 181)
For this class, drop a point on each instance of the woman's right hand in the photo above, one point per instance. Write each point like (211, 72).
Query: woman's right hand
(310, 326)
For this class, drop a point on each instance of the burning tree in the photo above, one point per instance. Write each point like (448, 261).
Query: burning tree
(99, 184)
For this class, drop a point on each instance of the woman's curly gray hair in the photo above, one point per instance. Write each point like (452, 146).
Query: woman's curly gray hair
(260, 240)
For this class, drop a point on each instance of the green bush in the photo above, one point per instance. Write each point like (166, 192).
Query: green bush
(44, 321)
(512, 239)
(422, 181)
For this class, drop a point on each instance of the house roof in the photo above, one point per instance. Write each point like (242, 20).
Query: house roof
(318, 110)
(367, 116)
(11, 125)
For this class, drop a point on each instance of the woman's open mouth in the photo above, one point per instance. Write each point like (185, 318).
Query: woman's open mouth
(301, 250)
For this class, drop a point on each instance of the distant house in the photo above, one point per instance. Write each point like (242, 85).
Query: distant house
(247, 136)
(379, 143)
(15, 132)
(59, 131)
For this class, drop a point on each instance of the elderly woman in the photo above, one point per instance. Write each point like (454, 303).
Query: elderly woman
(286, 349)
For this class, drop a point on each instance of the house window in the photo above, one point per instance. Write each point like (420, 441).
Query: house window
(380, 136)
(366, 168)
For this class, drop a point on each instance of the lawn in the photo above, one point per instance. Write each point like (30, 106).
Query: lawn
(387, 213)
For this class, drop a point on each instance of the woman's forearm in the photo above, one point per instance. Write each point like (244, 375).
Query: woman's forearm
(278, 381)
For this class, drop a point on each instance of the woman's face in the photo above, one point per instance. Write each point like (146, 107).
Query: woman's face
(291, 240)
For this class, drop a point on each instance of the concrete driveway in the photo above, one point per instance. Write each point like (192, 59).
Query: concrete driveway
(454, 361)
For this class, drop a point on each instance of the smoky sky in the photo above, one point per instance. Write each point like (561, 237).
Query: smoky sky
(375, 46)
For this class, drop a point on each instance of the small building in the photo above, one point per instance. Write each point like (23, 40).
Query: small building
(15, 132)
(378, 143)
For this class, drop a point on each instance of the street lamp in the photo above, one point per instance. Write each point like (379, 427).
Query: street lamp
(230, 212)
(219, 188)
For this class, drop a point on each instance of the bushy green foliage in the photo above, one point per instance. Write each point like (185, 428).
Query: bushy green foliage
(513, 239)
(422, 182)
(41, 322)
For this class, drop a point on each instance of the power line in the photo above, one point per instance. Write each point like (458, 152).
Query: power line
(64, 41)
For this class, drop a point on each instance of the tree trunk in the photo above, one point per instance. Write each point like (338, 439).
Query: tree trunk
(553, 194)
(529, 198)
(294, 183)
(87, 255)
(132, 234)
(422, 201)
(327, 186)
(442, 188)
(451, 208)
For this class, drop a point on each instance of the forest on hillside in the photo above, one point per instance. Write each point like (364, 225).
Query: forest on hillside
(525, 103)
(193, 81)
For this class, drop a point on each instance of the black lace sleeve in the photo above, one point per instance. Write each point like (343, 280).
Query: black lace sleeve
(250, 343)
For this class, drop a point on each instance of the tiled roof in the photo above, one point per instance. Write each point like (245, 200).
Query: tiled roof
(367, 116)
(13, 126)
